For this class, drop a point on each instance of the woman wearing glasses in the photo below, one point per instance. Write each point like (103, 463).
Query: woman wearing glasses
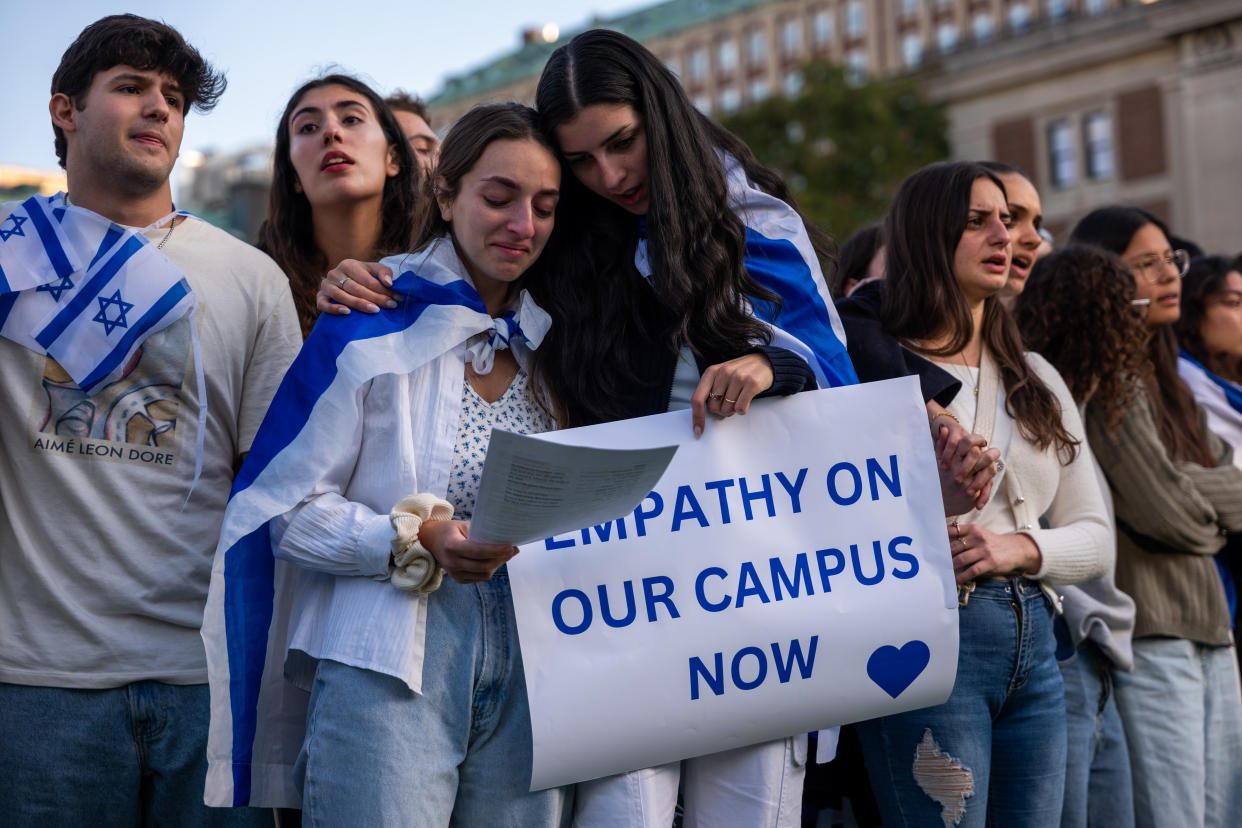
(1176, 489)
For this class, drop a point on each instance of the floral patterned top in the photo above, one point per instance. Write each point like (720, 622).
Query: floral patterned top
(515, 411)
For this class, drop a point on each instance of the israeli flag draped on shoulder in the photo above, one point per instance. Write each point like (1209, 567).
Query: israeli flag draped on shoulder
(317, 401)
(779, 256)
(82, 289)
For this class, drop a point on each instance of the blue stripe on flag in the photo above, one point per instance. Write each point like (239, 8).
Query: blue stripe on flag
(47, 234)
(5, 288)
(110, 238)
(1233, 395)
(87, 293)
(249, 568)
(249, 565)
(307, 380)
(135, 334)
(7, 301)
(778, 266)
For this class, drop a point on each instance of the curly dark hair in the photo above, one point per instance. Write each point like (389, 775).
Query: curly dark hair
(1077, 311)
(130, 40)
(288, 234)
(1207, 275)
(1112, 228)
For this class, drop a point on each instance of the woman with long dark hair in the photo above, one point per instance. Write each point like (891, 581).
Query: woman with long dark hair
(1175, 489)
(344, 185)
(994, 752)
(417, 709)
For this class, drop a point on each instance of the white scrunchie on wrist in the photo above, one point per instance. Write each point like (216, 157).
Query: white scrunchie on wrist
(412, 567)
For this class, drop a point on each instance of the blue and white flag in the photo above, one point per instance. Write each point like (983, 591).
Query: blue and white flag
(779, 256)
(243, 628)
(110, 288)
(34, 247)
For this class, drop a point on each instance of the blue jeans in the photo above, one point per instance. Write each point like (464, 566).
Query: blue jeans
(1097, 773)
(994, 753)
(126, 756)
(459, 753)
(1183, 721)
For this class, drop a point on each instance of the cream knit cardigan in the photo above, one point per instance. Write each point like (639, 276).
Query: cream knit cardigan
(1078, 545)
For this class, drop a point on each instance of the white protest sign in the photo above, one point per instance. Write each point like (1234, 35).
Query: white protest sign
(790, 571)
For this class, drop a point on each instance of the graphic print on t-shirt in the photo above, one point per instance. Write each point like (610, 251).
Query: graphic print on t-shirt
(133, 419)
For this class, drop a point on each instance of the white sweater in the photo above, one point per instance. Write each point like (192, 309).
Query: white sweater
(1078, 544)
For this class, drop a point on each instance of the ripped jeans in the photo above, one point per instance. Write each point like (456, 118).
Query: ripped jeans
(994, 753)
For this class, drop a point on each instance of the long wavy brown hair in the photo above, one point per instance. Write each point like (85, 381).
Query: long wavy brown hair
(288, 235)
(1077, 311)
(923, 300)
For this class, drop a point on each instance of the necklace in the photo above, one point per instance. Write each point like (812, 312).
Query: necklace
(978, 377)
(172, 225)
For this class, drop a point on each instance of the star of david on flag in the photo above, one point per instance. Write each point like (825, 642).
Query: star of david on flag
(57, 287)
(116, 321)
(34, 247)
(100, 290)
(16, 230)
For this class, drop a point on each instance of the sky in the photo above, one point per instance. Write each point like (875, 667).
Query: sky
(267, 48)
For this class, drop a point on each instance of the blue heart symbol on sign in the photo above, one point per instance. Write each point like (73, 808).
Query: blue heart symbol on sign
(896, 669)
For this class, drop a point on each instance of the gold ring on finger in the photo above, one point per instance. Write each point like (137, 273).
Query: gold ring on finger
(729, 401)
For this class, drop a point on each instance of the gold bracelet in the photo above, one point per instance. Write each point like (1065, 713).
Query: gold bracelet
(946, 413)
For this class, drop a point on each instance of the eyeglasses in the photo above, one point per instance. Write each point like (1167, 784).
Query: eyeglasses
(1151, 267)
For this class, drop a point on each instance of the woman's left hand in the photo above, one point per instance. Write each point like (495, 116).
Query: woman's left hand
(727, 388)
(978, 552)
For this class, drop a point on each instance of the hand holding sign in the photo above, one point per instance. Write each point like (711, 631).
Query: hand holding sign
(775, 580)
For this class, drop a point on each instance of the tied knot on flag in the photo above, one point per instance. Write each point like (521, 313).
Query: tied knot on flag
(528, 324)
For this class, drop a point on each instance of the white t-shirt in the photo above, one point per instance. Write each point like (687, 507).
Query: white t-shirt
(103, 572)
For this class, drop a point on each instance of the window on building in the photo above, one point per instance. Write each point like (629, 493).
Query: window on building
(791, 37)
(730, 99)
(1062, 165)
(1096, 6)
(674, 66)
(726, 55)
(821, 27)
(758, 91)
(757, 47)
(703, 104)
(1097, 141)
(698, 64)
(1019, 16)
(856, 18)
(909, 8)
(981, 25)
(856, 65)
(946, 37)
(911, 50)
(793, 83)
(1058, 9)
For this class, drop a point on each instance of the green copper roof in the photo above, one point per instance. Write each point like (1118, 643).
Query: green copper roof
(645, 25)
